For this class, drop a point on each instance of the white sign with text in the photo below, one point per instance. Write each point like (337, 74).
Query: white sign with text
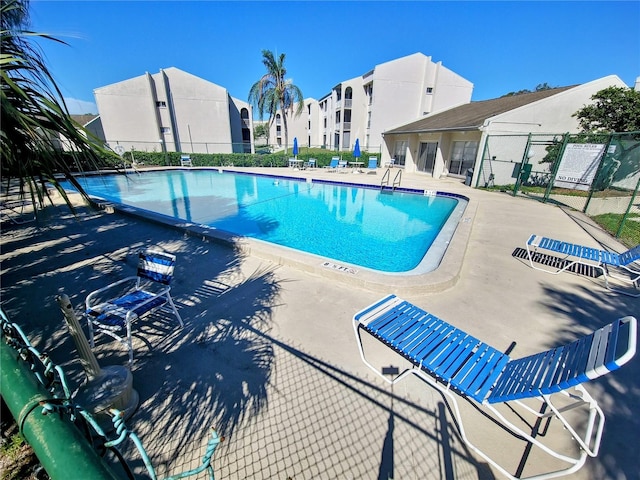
(579, 165)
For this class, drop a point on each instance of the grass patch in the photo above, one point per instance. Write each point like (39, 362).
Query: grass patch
(630, 234)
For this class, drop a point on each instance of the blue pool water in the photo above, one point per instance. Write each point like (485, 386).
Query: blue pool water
(389, 232)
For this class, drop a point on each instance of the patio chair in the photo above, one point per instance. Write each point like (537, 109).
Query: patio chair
(310, 164)
(333, 165)
(459, 365)
(372, 167)
(342, 166)
(185, 161)
(620, 266)
(15, 211)
(390, 163)
(113, 309)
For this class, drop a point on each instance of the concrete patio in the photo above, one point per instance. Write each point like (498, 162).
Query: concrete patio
(268, 356)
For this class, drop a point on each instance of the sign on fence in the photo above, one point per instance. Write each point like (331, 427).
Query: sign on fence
(578, 165)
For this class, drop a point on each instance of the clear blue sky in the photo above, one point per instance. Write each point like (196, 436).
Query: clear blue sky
(499, 46)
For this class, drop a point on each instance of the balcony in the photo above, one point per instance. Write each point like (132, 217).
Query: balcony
(346, 126)
(347, 103)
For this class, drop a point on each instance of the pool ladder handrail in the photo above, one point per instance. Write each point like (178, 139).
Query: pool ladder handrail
(387, 177)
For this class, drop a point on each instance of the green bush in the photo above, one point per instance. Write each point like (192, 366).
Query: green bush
(278, 159)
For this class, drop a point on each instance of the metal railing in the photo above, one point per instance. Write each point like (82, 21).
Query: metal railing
(36, 392)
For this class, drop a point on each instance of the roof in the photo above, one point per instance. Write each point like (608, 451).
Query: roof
(471, 116)
(83, 119)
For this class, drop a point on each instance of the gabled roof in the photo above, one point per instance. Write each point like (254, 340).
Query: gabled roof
(471, 116)
(84, 119)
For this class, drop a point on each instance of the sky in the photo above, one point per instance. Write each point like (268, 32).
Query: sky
(500, 47)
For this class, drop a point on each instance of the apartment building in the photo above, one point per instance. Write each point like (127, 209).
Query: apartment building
(174, 111)
(364, 107)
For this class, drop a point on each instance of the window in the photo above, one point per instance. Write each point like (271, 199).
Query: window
(463, 156)
(161, 104)
(429, 90)
(164, 130)
(400, 152)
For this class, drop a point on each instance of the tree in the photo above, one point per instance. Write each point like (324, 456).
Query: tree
(260, 130)
(274, 92)
(615, 109)
(34, 117)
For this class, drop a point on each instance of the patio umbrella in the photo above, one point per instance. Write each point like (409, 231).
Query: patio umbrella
(356, 149)
(295, 147)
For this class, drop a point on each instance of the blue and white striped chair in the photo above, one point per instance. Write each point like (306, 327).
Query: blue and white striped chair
(627, 263)
(459, 365)
(111, 310)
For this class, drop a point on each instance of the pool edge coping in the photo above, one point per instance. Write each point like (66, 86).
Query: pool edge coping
(445, 276)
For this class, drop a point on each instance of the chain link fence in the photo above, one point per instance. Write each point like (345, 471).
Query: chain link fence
(597, 174)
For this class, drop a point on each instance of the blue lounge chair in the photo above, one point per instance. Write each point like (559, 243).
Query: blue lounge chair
(185, 161)
(333, 165)
(620, 266)
(373, 165)
(458, 364)
(342, 166)
(310, 164)
(135, 296)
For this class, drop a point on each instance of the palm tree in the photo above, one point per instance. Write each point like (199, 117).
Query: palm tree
(274, 92)
(34, 118)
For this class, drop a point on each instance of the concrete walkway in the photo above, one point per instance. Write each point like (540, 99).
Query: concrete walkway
(268, 357)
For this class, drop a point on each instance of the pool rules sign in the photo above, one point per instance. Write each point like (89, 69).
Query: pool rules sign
(578, 165)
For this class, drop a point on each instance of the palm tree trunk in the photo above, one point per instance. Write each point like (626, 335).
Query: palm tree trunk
(286, 132)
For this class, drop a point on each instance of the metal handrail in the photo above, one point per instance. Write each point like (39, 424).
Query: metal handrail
(387, 177)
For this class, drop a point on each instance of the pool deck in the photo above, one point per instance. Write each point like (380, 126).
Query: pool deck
(268, 355)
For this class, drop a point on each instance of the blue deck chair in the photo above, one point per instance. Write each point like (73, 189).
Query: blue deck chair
(112, 309)
(459, 365)
(373, 165)
(185, 161)
(333, 165)
(310, 164)
(620, 266)
(342, 166)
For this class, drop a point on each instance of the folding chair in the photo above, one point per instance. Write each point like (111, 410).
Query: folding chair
(459, 365)
(112, 309)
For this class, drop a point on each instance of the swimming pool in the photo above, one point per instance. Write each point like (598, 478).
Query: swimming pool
(392, 232)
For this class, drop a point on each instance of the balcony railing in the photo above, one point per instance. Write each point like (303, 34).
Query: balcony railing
(346, 126)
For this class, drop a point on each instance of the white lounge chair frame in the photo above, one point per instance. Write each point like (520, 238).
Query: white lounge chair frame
(185, 161)
(602, 260)
(152, 287)
(459, 365)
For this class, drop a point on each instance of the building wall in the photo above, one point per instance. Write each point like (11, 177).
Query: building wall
(403, 90)
(550, 115)
(174, 110)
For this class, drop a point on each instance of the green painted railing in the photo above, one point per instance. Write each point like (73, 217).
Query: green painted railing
(61, 449)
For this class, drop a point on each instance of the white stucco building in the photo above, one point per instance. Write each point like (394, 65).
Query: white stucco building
(364, 107)
(453, 141)
(174, 111)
